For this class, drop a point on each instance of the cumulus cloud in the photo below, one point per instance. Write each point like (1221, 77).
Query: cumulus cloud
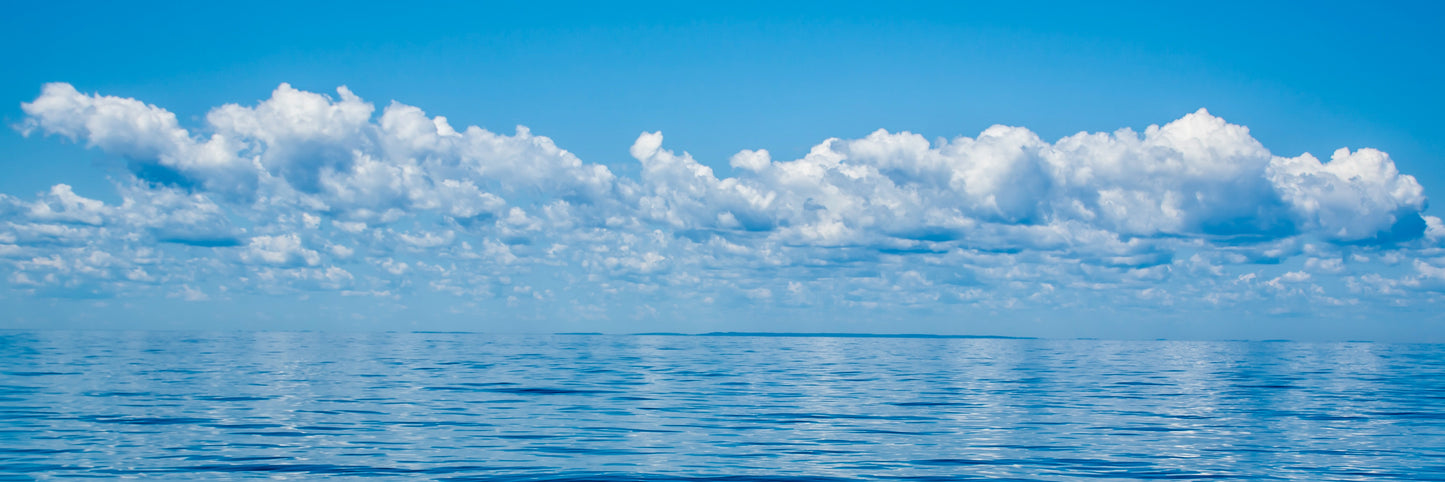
(284, 251)
(63, 205)
(320, 153)
(1357, 196)
(148, 136)
(309, 191)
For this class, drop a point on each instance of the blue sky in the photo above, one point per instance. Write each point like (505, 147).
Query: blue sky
(263, 205)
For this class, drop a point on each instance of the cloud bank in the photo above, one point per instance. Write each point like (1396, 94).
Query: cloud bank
(305, 192)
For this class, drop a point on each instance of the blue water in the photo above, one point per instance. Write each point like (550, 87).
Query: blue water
(192, 405)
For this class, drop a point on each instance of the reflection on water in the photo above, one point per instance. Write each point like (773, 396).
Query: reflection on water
(492, 407)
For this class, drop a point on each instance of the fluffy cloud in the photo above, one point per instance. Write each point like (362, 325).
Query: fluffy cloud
(306, 192)
(146, 135)
(1197, 177)
(1356, 196)
(284, 251)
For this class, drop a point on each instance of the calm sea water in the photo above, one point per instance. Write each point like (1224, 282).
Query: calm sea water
(188, 405)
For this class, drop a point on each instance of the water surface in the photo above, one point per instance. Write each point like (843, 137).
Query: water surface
(457, 406)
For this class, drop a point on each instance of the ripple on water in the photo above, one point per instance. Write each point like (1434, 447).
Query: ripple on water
(458, 406)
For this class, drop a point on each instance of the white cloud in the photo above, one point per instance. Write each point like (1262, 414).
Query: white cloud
(352, 227)
(312, 192)
(186, 292)
(61, 204)
(283, 251)
(1434, 230)
(1326, 265)
(1197, 176)
(1354, 197)
(340, 251)
(427, 239)
(147, 135)
(312, 221)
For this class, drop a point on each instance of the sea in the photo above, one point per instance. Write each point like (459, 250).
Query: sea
(191, 405)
